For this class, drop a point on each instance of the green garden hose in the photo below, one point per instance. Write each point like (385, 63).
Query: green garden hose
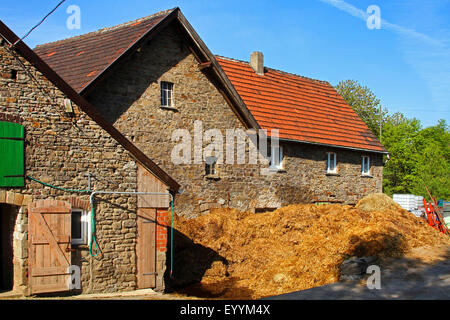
(93, 241)
(59, 188)
(171, 240)
(93, 237)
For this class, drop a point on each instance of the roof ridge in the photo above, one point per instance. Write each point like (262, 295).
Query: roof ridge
(157, 14)
(277, 70)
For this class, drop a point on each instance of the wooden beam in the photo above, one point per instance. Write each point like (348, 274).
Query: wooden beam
(204, 65)
(49, 271)
(46, 288)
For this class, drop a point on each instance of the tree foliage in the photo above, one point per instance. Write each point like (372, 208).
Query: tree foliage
(433, 163)
(418, 157)
(364, 103)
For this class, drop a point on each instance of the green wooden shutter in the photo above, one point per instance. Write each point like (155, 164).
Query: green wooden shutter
(12, 168)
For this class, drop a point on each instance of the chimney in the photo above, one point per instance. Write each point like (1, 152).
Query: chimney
(257, 62)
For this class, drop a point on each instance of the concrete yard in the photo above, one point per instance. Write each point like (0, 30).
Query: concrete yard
(423, 274)
(147, 294)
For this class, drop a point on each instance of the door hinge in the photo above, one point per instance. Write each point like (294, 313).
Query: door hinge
(68, 247)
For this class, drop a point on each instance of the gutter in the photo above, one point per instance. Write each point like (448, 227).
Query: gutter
(334, 146)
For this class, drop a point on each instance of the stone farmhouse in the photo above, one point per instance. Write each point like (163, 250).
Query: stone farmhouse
(155, 75)
(51, 140)
(97, 113)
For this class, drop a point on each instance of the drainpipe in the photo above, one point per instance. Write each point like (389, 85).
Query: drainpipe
(94, 240)
(89, 175)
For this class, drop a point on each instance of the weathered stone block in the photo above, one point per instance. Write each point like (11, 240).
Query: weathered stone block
(21, 228)
(18, 199)
(129, 223)
(27, 200)
(10, 197)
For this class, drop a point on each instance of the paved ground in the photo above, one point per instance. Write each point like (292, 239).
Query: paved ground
(421, 275)
(147, 294)
(9, 295)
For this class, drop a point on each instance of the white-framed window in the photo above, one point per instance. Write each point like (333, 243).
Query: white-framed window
(167, 94)
(365, 166)
(80, 233)
(276, 158)
(210, 166)
(331, 162)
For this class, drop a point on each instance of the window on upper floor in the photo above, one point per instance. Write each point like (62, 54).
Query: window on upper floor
(13, 74)
(210, 166)
(167, 94)
(276, 158)
(331, 162)
(365, 166)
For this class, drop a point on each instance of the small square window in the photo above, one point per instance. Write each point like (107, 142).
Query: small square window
(167, 94)
(332, 163)
(365, 166)
(80, 227)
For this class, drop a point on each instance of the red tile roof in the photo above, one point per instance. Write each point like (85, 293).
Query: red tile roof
(79, 60)
(302, 109)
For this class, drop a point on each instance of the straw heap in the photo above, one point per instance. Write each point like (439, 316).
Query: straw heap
(237, 255)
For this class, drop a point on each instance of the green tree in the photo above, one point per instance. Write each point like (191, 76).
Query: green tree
(432, 171)
(418, 157)
(433, 164)
(400, 139)
(364, 103)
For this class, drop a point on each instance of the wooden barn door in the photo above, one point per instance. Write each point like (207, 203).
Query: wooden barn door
(146, 249)
(146, 259)
(49, 246)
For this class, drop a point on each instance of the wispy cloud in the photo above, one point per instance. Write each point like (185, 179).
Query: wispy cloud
(430, 57)
(347, 7)
(363, 15)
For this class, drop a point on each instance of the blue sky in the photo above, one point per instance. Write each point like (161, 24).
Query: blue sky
(406, 62)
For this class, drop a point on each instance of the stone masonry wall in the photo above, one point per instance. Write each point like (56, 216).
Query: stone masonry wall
(130, 99)
(60, 150)
(162, 242)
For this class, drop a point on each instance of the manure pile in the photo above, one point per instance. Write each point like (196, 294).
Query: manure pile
(237, 255)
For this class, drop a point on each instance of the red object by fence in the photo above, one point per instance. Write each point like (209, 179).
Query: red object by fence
(433, 218)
